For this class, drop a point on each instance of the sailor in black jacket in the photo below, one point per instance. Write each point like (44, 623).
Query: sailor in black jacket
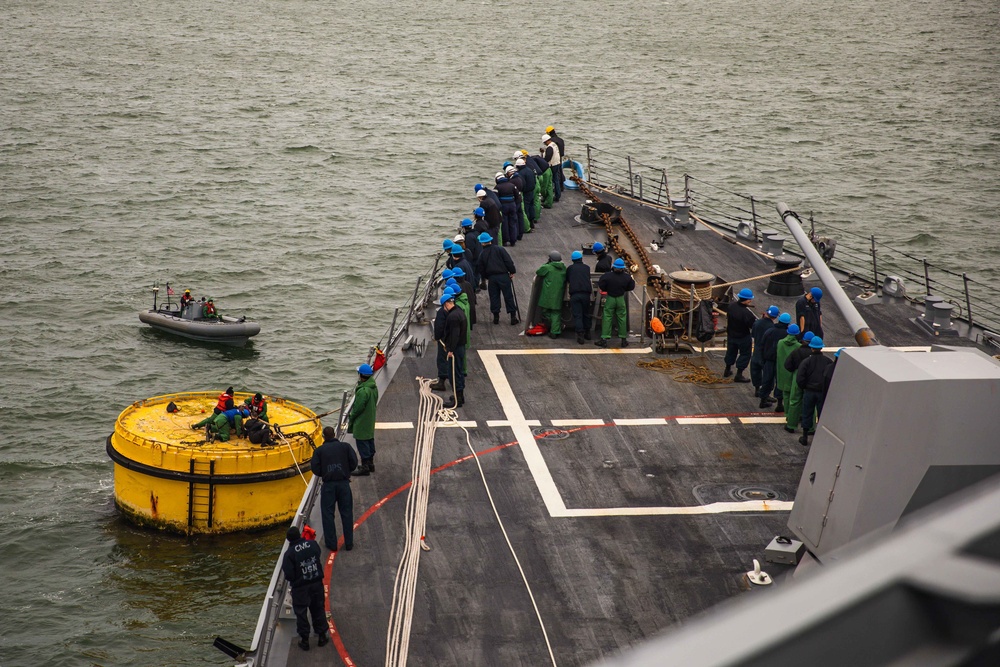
(509, 194)
(757, 333)
(454, 345)
(811, 377)
(580, 290)
(769, 357)
(496, 266)
(739, 341)
(491, 211)
(443, 365)
(303, 570)
(333, 462)
(604, 260)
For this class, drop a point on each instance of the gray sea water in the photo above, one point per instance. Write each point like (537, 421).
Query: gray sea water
(300, 160)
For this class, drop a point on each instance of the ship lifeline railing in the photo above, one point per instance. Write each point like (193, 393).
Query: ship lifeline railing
(864, 258)
(412, 311)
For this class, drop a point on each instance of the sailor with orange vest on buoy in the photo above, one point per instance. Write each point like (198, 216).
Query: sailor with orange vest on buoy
(225, 401)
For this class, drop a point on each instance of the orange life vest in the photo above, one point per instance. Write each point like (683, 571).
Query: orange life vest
(223, 403)
(257, 407)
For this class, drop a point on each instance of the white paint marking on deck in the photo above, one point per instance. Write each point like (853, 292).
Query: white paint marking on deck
(572, 350)
(554, 503)
(494, 423)
(762, 420)
(389, 426)
(712, 508)
(702, 420)
(525, 438)
(578, 422)
(442, 424)
(656, 421)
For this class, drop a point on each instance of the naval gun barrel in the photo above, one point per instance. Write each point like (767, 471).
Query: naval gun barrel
(862, 332)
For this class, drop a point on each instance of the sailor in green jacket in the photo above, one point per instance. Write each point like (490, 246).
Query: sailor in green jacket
(361, 421)
(783, 376)
(218, 426)
(551, 296)
(793, 406)
(462, 301)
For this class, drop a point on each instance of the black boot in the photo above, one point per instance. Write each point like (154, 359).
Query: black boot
(453, 403)
(804, 441)
(496, 318)
(766, 401)
(624, 342)
(362, 470)
(304, 643)
(587, 334)
(739, 376)
(729, 371)
(780, 408)
(579, 338)
(371, 464)
(323, 640)
(439, 385)
(600, 342)
(514, 319)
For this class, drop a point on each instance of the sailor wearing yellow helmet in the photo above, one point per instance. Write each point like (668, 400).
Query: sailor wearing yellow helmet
(550, 151)
(543, 179)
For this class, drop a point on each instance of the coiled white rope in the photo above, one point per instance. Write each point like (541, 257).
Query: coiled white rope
(451, 416)
(404, 588)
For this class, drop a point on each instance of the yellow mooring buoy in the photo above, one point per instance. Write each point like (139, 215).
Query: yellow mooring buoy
(169, 476)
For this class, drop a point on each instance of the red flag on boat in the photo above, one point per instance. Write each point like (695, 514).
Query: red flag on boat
(379, 360)
(170, 290)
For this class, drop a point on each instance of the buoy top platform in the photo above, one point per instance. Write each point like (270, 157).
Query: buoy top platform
(169, 475)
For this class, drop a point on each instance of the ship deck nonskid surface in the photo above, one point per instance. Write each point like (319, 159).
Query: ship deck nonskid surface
(594, 464)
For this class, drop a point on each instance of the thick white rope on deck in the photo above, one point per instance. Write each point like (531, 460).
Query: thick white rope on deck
(404, 588)
(451, 416)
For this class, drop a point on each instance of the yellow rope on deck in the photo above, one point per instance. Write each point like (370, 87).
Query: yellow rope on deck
(682, 369)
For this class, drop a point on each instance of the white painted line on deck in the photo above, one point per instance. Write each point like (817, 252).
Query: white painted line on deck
(572, 350)
(578, 422)
(656, 421)
(525, 438)
(762, 420)
(712, 508)
(494, 423)
(390, 426)
(442, 424)
(554, 503)
(702, 420)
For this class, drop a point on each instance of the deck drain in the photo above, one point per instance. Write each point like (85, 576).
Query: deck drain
(549, 433)
(753, 493)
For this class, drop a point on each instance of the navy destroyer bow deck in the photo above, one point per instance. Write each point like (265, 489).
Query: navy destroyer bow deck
(632, 500)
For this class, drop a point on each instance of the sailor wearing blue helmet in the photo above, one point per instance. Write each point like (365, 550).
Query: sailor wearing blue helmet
(808, 313)
(757, 331)
(615, 286)
(497, 268)
(361, 419)
(783, 377)
(793, 397)
(580, 291)
(462, 259)
(769, 353)
(603, 258)
(467, 288)
(739, 342)
(453, 341)
(811, 378)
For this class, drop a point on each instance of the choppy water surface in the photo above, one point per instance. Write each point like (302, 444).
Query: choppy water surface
(297, 160)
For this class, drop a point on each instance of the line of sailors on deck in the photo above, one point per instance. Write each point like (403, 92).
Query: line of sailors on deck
(478, 260)
(785, 357)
